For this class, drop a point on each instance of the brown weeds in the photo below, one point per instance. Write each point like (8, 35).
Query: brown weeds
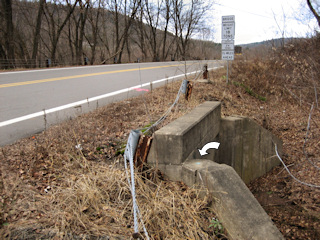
(69, 182)
(51, 189)
(289, 79)
(291, 71)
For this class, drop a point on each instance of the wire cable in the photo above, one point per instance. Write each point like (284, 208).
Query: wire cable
(287, 169)
(164, 116)
(135, 203)
(130, 154)
(306, 139)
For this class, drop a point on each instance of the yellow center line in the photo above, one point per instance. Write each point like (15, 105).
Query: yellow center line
(81, 76)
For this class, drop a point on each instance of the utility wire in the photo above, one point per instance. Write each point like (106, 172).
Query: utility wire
(306, 139)
(296, 179)
(252, 13)
(241, 10)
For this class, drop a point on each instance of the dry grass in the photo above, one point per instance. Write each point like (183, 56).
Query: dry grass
(53, 190)
(292, 70)
(94, 200)
(288, 78)
(89, 196)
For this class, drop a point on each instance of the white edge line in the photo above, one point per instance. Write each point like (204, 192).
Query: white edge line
(70, 105)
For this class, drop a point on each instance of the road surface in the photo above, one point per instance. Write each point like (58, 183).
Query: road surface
(33, 100)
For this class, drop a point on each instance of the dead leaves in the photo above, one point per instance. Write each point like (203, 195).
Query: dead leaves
(50, 159)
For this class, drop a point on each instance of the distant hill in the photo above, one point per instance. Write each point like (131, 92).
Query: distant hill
(271, 43)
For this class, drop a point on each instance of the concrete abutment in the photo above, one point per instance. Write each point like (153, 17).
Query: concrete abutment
(246, 152)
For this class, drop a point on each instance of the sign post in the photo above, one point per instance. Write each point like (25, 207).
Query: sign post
(227, 36)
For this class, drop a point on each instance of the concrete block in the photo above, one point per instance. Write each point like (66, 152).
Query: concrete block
(252, 166)
(212, 153)
(190, 170)
(173, 172)
(231, 143)
(268, 141)
(175, 142)
(247, 147)
(234, 204)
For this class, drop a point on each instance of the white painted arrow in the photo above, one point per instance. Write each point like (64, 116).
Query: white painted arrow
(209, 145)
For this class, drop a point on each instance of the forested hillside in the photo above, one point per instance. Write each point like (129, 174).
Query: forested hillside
(64, 32)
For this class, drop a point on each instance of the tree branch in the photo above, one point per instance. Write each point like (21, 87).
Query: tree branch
(314, 12)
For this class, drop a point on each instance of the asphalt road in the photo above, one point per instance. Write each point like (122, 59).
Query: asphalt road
(33, 100)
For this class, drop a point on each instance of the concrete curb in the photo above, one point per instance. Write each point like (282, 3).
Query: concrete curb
(234, 204)
(180, 139)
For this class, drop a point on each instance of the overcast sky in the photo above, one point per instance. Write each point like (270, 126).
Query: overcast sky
(255, 19)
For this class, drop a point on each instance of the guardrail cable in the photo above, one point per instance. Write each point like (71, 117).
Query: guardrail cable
(128, 155)
(130, 150)
(164, 116)
(182, 89)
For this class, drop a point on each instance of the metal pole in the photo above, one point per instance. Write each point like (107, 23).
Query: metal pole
(227, 71)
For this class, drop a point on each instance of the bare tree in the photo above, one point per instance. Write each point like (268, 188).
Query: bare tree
(8, 33)
(57, 21)
(115, 8)
(92, 37)
(130, 9)
(314, 7)
(152, 17)
(124, 13)
(3, 54)
(140, 39)
(166, 16)
(188, 17)
(36, 36)
(31, 30)
(282, 29)
(151, 27)
(79, 17)
(105, 34)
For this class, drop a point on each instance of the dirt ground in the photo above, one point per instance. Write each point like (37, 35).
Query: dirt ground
(51, 183)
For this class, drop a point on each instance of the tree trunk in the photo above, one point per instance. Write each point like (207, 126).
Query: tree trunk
(55, 35)
(164, 51)
(80, 34)
(37, 33)
(117, 30)
(2, 52)
(122, 40)
(314, 12)
(95, 30)
(9, 43)
(70, 43)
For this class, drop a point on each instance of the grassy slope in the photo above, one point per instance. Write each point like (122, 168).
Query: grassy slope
(89, 195)
(80, 203)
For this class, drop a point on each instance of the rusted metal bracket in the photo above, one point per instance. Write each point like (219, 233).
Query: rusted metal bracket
(140, 157)
(189, 91)
(205, 71)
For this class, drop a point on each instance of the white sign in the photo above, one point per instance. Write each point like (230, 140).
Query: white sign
(228, 30)
(228, 27)
(228, 18)
(227, 36)
(227, 45)
(227, 55)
